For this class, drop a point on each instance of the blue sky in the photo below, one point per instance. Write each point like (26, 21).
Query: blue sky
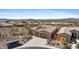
(39, 13)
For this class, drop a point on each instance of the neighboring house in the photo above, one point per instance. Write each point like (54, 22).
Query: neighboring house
(3, 24)
(62, 23)
(44, 31)
(68, 34)
(19, 24)
(44, 22)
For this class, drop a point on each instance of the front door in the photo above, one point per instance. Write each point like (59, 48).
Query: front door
(73, 38)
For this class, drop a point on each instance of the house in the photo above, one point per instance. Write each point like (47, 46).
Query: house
(44, 31)
(68, 34)
(61, 23)
(19, 24)
(44, 22)
(4, 24)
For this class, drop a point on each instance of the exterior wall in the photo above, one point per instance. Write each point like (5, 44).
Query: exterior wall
(62, 39)
(41, 34)
(33, 32)
(54, 34)
(44, 33)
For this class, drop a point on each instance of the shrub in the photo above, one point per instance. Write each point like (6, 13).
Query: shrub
(66, 46)
(77, 45)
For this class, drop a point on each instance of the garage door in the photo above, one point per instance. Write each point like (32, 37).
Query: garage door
(44, 36)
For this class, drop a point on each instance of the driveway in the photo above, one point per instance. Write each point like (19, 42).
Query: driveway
(36, 42)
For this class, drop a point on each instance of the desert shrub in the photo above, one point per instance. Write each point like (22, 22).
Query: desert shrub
(66, 46)
(77, 45)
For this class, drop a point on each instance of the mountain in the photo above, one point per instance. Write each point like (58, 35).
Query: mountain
(3, 19)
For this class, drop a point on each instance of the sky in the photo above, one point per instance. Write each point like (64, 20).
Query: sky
(39, 13)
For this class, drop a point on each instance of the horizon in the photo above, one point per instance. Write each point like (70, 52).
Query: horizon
(39, 13)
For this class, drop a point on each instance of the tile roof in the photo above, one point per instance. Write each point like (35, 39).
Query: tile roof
(67, 30)
(47, 28)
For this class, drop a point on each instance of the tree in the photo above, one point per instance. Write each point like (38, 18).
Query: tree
(77, 45)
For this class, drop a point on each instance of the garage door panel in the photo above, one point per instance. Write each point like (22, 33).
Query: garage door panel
(44, 36)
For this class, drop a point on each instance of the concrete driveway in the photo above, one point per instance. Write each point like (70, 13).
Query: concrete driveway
(36, 42)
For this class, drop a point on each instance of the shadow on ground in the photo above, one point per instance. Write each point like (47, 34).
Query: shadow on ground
(34, 48)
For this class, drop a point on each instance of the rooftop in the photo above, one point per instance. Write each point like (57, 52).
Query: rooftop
(47, 28)
(67, 30)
